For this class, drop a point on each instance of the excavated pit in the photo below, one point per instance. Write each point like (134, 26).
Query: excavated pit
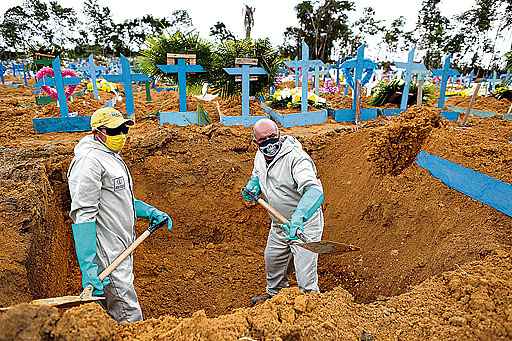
(411, 230)
(406, 225)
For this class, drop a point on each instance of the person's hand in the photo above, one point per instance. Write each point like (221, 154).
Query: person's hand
(157, 217)
(296, 224)
(252, 190)
(90, 277)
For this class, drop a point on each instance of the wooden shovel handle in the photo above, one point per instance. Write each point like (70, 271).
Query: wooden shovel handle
(273, 211)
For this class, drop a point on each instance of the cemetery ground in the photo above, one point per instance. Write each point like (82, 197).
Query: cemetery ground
(433, 263)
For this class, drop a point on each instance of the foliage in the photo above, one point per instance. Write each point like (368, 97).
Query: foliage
(321, 22)
(391, 92)
(432, 29)
(503, 91)
(224, 56)
(221, 33)
(508, 61)
(158, 47)
(291, 98)
(395, 37)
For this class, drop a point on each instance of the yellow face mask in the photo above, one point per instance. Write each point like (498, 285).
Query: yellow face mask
(115, 143)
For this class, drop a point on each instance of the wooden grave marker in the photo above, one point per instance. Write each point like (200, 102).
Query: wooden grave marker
(126, 77)
(179, 66)
(66, 122)
(410, 68)
(305, 117)
(246, 67)
(445, 73)
(356, 69)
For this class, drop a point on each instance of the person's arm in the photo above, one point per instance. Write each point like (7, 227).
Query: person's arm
(85, 181)
(304, 175)
(252, 186)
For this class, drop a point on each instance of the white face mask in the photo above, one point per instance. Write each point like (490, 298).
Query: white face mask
(270, 147)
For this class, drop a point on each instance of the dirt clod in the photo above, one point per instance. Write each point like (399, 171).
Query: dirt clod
(27, 322)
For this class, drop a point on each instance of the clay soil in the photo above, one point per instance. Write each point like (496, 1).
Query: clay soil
(233, 107)
(484, 103)
(433, 264)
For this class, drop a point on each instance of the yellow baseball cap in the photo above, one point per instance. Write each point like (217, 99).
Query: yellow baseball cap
(108, 118)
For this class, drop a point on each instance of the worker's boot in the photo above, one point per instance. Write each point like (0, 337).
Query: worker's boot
(260, 299)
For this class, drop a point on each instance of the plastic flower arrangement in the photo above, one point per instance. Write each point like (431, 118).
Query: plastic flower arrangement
(329, 87)
(291, 98)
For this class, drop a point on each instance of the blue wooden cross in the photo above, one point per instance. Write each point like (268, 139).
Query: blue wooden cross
(64, 123)
(469, 78)
(182, 118)
(246, 70)
(410, 68)
(356, 69)
(2, 72)
(492, 82)
(305, 117)
(93, 71)
(337, 66)
(445, 73)
(294, 64)
(126, 77)
(317, 64)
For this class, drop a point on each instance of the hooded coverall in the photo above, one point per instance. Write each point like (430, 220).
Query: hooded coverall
(283, 182)
(101, 190)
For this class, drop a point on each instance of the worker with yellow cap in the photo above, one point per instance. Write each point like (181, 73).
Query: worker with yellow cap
(104, 210)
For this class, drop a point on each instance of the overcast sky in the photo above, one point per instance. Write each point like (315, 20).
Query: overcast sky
(271, 16)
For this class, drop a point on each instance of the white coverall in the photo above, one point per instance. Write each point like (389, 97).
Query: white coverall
(283, 182)
(101, 190)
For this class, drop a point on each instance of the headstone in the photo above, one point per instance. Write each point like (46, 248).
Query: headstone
(356, 69)
(445, 73)
(246, 69)
(126, 77)
(66, 122)
(178, 64)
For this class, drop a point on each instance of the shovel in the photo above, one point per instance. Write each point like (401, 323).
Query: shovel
(321, 247)
(86, 295)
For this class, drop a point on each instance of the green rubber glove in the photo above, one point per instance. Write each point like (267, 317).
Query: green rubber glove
(307, 206)
(155, 216)
(84, 235)
(253, 186)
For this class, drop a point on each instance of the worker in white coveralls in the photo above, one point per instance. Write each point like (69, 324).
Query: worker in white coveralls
(286, 175)
(104, 210)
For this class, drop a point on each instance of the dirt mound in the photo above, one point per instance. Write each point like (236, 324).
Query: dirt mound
(27, 322)
(86, 322)
(233, 107)
(395, 146)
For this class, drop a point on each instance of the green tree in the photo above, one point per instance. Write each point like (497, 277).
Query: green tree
(432, 33)
(321, 23)
(221, 33)
(395, 36)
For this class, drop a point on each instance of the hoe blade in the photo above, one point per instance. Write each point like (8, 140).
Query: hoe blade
(328, 247)
(66, 301)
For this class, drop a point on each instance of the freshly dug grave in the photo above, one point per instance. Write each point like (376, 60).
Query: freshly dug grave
(410, 228)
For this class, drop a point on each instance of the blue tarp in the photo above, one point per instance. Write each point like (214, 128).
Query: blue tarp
(483, 188)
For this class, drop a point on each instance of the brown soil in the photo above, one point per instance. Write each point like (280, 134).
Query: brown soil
(488, 103)
(411, 230)
(233, 107)
(339, 101)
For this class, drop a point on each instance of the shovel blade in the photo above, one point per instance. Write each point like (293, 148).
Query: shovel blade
(328, 247)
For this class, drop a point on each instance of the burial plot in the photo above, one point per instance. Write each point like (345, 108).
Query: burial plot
(182, 64)
(246, 67)
(410, 68)
(66, 122)
(304, 117)
(445, 73)
(126, 77)
(356, 69)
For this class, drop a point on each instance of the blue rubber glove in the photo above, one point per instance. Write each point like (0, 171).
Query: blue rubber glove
(306, 208)
(84, 235)
(155, 216)
(253, 186)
